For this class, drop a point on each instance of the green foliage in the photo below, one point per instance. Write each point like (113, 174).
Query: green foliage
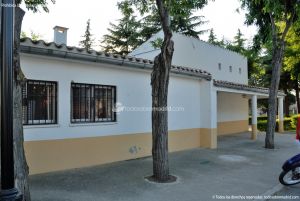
(260, 118)
(35, 5)
(290, 123)
(33, 36)
(123, 37)
(294, 121)
(262, 12)
(157, 44)
(273, 19)
(130, 31)
(175, 7)
(212, 38)
(23, 34)
(238, 45)
(292, 54)
(88, 39)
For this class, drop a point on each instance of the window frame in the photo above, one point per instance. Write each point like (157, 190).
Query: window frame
(92, 119)
(54, 121)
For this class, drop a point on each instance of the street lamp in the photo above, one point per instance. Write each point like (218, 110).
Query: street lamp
(8, 190)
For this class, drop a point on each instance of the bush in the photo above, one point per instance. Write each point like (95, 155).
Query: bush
(289, 123)
(260, 118)
(294, 121)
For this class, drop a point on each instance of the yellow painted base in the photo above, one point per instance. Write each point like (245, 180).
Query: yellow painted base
(231, 127)
(53, 155)
(209, 138)
(254, 132)
(280, 127)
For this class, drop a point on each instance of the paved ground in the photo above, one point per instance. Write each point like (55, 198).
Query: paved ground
(239, 167)
(289, 193)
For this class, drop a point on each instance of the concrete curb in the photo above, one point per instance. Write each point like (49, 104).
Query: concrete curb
(271, 192)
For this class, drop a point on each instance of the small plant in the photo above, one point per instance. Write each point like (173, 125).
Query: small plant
(157, 43)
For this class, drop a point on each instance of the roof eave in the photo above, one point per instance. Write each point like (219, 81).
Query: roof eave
(108, 59)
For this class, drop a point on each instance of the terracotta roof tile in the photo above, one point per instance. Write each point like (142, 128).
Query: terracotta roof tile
(27, 42)
(238, 86)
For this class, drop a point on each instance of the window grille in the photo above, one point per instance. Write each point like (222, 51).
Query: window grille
(39, 102)
(92, 103)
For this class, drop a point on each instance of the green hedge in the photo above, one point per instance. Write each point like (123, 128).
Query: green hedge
(260, 118)
(290, 123)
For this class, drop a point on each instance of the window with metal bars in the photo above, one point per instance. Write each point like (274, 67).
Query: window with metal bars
(39, 102)
(92, 103)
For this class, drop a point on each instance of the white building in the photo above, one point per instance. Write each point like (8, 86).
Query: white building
(69, 99)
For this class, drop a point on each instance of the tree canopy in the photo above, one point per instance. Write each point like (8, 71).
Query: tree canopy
(141, 20)
(274, 18)
(266, 14)
(35, 5)
(123, 37)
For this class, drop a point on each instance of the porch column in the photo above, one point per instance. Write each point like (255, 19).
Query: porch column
(254, 117)
(208, 132)
(213, 120)
(280, 115)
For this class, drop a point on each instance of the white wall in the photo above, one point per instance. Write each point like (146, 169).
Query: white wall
(209, 105)
(133, 89)
(185, 93)
(191, 52)
(232, 107)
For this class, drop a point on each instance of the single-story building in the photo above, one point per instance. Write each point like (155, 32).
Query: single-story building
(84, 108)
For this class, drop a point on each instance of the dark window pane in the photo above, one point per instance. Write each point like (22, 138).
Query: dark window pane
(39, 102)
(92, 103)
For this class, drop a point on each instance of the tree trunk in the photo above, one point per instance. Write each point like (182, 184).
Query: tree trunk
(21, 168)
(297, 95)
(160, 83)
(273, 91)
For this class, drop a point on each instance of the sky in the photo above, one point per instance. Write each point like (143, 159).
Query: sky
(73, 14)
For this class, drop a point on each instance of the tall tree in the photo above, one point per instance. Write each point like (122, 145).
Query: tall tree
(239, 41)
(21, 168)
(160, 82)
(212, 38)
(182, 20)
(88, 39)
(123, 37)
(238, 44)
(266, 14)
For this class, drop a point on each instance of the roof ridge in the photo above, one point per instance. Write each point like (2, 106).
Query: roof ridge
(206, 42)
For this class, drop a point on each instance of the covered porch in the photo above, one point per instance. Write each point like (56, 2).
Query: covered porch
(243, 94)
